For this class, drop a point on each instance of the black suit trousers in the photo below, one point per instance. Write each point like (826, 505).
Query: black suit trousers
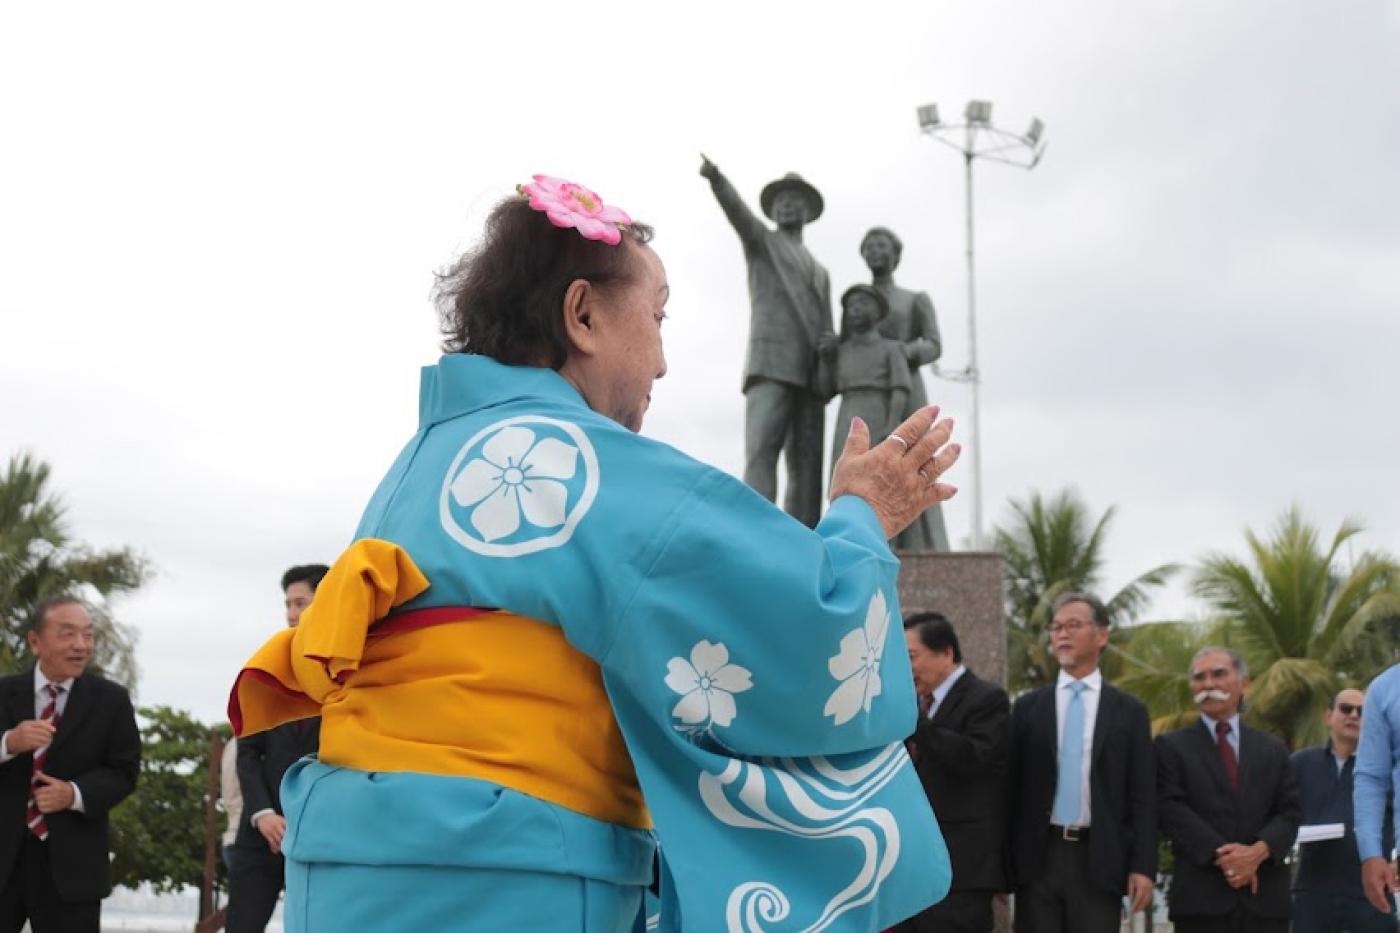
(959, 912)
(1065, 899)
(255, 880)
(1237, 922)
(30, 894)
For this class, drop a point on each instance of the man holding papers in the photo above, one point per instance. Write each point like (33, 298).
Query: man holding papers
(1327, 893)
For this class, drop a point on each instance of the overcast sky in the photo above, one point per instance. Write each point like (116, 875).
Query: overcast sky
(218, 227)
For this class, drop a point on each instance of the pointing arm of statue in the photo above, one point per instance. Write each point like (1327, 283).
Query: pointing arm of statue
(743, 220)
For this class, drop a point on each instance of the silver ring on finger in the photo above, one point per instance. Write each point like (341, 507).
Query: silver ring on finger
(927, 480)
(902, 442)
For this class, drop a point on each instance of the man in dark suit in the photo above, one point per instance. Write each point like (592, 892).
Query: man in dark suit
(70, 753)
(1083, 807)
(960, 748)
(1327, 892)
(256, 868)
(1229, 805)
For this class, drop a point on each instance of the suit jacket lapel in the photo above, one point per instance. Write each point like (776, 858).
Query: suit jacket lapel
(1108, 708)
(79, 705)
(1243, 759)
(955, 696)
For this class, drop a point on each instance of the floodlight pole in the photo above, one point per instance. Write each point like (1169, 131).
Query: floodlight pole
(980, 140)
(974, 374)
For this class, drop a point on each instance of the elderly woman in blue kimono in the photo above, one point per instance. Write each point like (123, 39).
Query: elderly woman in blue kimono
(555, 643)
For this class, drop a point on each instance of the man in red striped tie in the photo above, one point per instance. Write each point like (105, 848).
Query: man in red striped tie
(70, 752)
(1228, 802)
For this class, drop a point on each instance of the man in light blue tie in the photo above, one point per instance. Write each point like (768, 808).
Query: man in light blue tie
(1083, 841)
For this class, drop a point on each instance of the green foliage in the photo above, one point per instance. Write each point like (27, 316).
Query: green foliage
(1300, 619)
(38, 559)
(1155, 659)
(158, 832)
(1052, 546)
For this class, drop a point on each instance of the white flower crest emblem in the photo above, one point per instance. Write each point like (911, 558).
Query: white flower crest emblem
(707, 684)
(518, 476)
(857, 664)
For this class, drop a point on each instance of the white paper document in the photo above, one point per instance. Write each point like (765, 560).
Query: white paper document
(1317, 832)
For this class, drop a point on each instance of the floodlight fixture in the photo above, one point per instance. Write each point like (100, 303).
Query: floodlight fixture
(979, 112)
(1035, 132)
(928, 116)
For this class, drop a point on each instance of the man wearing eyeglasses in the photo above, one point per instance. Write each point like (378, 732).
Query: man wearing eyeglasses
(1083, 806)
(1327, 893)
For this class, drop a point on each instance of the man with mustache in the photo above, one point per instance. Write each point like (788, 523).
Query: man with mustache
(1327, 892)
(1229, 845)
(1083, 812)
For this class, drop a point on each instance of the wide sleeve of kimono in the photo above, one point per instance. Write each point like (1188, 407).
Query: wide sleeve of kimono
(760, 677)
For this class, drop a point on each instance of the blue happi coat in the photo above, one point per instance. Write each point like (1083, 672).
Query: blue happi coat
(756, 667)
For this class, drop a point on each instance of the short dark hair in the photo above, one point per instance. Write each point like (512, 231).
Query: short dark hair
(40, 613)
(935, 632)
(889, 234)
(504, 298)
(1100, 611)
(310, 574)
(1332, 703)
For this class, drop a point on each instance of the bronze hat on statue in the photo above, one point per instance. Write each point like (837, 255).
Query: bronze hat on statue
(791, 182)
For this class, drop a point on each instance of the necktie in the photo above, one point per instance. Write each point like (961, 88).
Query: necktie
(1227, 755)
(1068, 804)
(37, 824)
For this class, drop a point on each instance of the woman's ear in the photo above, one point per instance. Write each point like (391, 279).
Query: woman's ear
(577, 310)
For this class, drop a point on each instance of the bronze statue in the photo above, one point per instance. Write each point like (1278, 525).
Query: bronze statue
(867, 369)
(790, 317)
(912, 323)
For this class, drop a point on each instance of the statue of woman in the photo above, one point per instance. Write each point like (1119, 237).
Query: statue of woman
(912, 323)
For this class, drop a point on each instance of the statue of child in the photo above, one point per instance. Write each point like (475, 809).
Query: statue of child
(870, 372)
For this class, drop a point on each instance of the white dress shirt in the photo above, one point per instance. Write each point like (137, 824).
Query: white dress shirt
(1090, 699)
(41, 702)
(942, 689)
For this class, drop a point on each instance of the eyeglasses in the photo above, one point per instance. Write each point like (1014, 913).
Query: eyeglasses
(1069, 628)
(1346, 709)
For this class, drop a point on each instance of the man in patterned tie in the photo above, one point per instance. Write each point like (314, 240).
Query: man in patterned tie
(1081, 842)
(70, 752)
(1229, 805)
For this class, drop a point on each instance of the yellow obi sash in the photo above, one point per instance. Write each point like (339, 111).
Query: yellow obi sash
(454, 691)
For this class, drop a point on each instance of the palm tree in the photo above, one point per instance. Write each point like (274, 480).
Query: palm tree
(1299, 617)
(38, 559)
(1053, 546)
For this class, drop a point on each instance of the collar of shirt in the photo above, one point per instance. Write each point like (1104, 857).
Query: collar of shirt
(1234, 737)
(942, 689)
(40, 682)
(1341, 763)
(1093, 680)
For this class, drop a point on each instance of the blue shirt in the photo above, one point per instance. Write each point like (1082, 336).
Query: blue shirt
(1377, 766)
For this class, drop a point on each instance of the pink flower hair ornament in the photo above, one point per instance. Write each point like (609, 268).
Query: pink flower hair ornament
(569, 205)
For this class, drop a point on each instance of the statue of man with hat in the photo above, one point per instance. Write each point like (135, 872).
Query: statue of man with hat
(790, 319)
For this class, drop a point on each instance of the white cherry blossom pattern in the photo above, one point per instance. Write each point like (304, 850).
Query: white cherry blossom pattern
(707, 684)
(519, 486)
(516, 475)
(857, 664)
